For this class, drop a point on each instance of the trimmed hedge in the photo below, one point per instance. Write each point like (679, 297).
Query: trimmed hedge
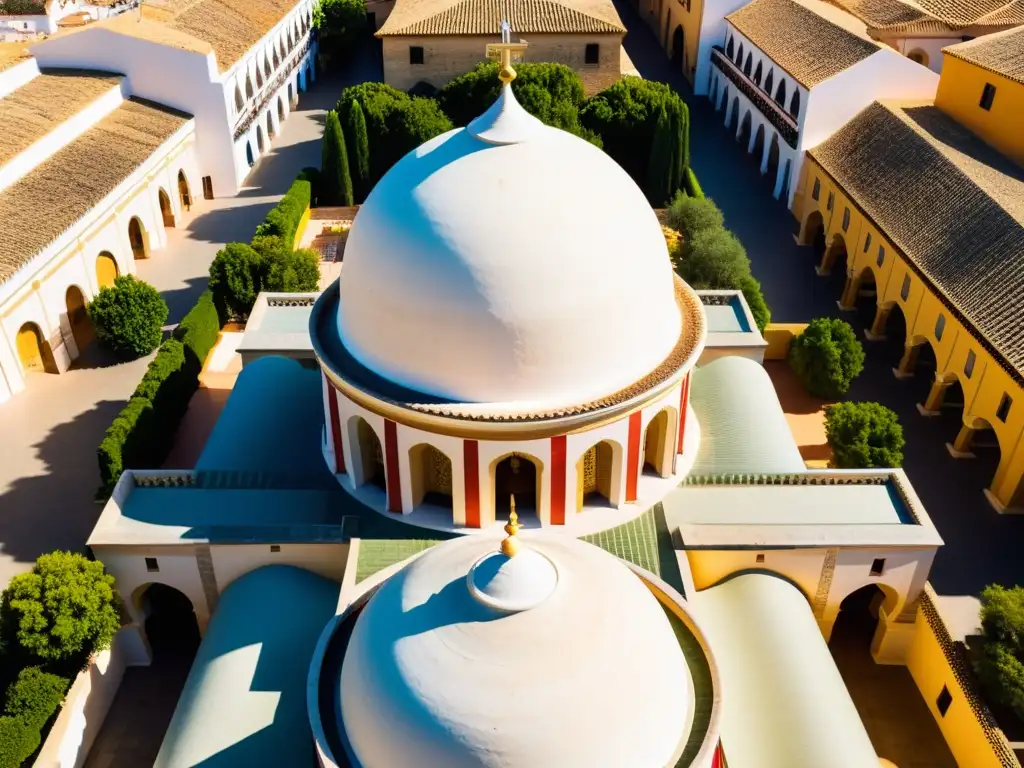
(32, 699)
(283, 219)
(142, 435)
(17, 742)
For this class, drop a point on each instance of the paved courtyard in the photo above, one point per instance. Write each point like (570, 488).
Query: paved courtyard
(48, 470)
(981, 546)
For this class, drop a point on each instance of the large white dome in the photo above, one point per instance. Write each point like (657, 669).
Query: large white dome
(508, 262)
(589, 674)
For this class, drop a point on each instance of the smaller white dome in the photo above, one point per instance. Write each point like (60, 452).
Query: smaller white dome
(511, 584)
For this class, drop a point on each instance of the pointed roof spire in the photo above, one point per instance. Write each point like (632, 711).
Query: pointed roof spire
(510, 545)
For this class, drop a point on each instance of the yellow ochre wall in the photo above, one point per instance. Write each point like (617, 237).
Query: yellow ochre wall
(988, 382)
(779, 336)
(960, 88)
(965, 727)
(663, 16)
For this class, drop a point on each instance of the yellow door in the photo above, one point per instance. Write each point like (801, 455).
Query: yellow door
(33, 351)
(106, 270)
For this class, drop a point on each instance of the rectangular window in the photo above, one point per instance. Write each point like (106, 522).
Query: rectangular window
(816, 191)
(905, 290)
(152, 565)
(940, 326)
(275, 547)
(1004, 408)
(942, 703)
(867, 242)
(881, 255)
(831, 200)
(760, 559)
(846, 219)
(877, 566)
(415, 54)
(208, 187)
(969, 365)
(988, 95)
(593, 53)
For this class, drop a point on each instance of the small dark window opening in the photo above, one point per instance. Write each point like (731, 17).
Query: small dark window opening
(831, 200)
(969, 364)
(749, 65)
(816, 191)
(940, 327)
(152, 565)
(760, 559)
(1004, 408)
(867, 242)
(729, 48)
(794, 104)
(415, 54)
(757, 74)
(768, 82)
(593, 53)
(944, 701)
(905, 288)
(881, 255)
(988, 95)
(739, 56)
(208, 187)
(846, 219)
(275, 547)
(780, 94)
(877, 566)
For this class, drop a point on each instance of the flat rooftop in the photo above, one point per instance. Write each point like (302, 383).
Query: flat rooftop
(279, 324)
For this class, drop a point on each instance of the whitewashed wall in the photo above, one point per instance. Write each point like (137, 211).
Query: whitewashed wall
(230, 561)
(713, 28)
(932, 47)
(16, 76)
(180, 571)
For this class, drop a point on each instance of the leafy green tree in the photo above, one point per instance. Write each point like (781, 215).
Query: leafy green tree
(64, 608)
(827, 357)
(863, 436)
(755, 300)
(358, 144)
(625, 116)
(661, 164)
(341, 25)
(335, 180)
(236, 279)
(715, 259)
(999, 664)
(129, 317)
(294, 271)
(690, 215)
(543, 89)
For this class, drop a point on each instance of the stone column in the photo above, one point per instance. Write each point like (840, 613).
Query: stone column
(848, 301)
(905, 370)
(824, 269)
(961, 447)
(936, 395)
(877, 330)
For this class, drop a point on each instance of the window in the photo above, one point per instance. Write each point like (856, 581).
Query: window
(969, 365)
(208, 187)
(759, 559)
(415, 54)
(593, 53)
(152, 565)
(846, 219)
(728, 48)
(816, 192)
(877, 566)
(768, 81)
(757, 74)
(794, 104)
(780, 94)
(739, 56)
(749, 65)
(275, 547)
(942, 703)
(881, 255)
(905, 288)
(988, 95)
(831, 200)
(940, 327)
(867, 242)
(1004, 408)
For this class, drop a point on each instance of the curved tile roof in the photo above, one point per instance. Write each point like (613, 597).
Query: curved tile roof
(484, 17)
(1002, 53)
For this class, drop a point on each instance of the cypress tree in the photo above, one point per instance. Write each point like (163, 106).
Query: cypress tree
(680, 155)
(335, 179)
(659, 168)
(358, 144)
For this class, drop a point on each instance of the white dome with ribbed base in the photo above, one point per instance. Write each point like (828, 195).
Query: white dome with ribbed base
(584, 670)
(508, 262)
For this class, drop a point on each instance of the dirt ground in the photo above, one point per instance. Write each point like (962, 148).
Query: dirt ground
(805, 414)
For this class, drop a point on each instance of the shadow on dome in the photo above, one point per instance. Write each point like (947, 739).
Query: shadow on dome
(452, 605)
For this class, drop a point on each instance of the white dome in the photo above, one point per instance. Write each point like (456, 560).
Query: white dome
(590, 675)
(508, 262)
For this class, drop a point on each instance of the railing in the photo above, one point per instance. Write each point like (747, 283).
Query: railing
(263, 96)
(777, 116)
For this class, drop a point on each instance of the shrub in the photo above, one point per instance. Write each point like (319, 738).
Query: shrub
(827, 357)
(625, 115)
(129, 317)
(340, 24)
(755, 300)
(358, 145)
(283, 219)
(690, 183)
(236, 279)
(863, 436)
(35, 696)
(335, 179)
(17, 742)
(64, 608)
(999, 664)
(691, 215)
(294, 271)
(713, 258)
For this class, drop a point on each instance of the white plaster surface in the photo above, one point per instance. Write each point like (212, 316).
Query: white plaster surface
(548, 687)
(466, 279)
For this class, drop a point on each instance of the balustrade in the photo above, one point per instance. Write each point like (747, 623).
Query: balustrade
(269, 88)
(781, 120)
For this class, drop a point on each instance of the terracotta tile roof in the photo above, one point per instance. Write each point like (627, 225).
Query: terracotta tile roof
(948, 201)
(934, 17)
(46, 202)
(44, 102)
(13, 53)
(810, 40)
(1002, 53)
(484, 17)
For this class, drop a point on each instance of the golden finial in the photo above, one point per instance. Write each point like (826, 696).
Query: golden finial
(510, 545)
(506, 74)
